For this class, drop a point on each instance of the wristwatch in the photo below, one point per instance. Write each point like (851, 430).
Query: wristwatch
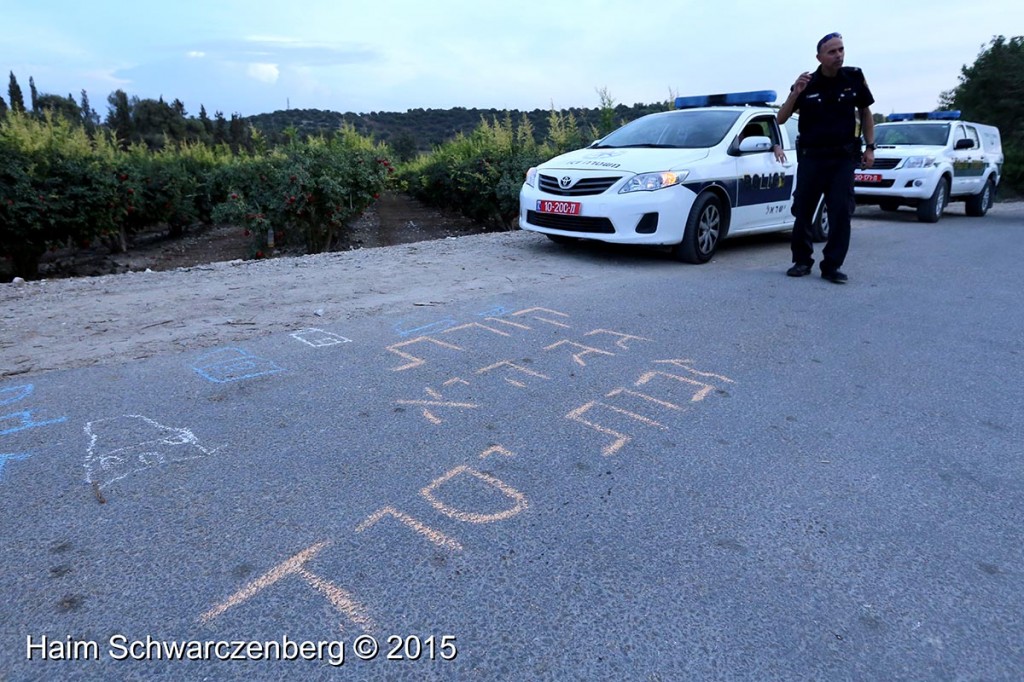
(870, 145)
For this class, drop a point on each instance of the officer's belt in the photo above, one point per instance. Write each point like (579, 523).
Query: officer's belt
(830, 151)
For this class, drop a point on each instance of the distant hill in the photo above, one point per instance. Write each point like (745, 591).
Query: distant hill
(424, 129)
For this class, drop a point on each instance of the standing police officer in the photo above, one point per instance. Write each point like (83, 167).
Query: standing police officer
(828, 152)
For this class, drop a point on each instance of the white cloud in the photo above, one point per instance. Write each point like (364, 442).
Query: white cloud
(268, 73)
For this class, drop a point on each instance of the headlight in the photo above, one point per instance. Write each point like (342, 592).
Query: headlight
(919, 162)
(531, 177)
(648, 182)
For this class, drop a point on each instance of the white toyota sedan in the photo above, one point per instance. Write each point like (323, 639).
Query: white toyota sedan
(685, 179)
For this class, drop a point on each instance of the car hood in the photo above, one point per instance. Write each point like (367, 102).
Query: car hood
(627, 159)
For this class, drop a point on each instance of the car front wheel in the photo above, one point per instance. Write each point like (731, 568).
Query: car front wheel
(930, 211)
(979, 204)
(703, 230)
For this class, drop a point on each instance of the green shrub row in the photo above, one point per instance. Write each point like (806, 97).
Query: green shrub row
(304, 194)
(61, 187)
(480, 174)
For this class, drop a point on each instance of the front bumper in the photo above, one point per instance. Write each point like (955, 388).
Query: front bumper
(912, 184)
(653, 218)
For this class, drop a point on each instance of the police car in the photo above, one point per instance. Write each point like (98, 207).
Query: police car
(927, 160)
(686, 179)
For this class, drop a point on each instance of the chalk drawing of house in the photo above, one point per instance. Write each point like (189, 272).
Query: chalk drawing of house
(119, 446)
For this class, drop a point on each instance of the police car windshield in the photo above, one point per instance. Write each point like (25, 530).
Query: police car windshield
(674, 129)
(934, 134)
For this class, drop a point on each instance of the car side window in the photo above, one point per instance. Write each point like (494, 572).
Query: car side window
(959, 134)
(972, 134)
(773, 130)
(762, 126)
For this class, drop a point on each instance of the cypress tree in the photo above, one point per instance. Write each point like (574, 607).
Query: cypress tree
(90, 118)
(14, 94)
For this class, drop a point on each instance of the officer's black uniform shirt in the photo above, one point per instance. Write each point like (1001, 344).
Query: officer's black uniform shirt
(828, 108)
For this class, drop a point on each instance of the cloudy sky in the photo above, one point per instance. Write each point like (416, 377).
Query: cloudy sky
(256, 56)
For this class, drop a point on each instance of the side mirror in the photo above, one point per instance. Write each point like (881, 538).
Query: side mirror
(755, 143)
(964, 144)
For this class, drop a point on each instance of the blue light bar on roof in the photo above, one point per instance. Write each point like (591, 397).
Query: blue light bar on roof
(926, 116)
(762, 97)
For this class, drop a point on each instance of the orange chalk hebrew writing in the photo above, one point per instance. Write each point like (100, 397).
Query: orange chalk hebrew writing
(465, 494)
(340, 599)
(583, 415)
(413, 360)
(435, 536)
(474, 517)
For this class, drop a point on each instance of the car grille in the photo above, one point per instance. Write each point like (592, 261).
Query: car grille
(584, 187)
(885, 164)
(570, 223)
(883, 183)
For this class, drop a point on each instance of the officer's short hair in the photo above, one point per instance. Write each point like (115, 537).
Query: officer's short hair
(827, 38)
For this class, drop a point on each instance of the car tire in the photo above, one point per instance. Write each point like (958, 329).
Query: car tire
(889, 205)
(562, 239)
(979, 204)
(930, 210)
(819, 226)
(704, 228)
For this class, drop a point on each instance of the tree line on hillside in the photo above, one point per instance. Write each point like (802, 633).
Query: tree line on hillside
(421, 130)
(157, 123)
(152, 122)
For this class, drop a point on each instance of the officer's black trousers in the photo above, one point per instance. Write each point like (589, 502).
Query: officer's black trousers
(833, 177)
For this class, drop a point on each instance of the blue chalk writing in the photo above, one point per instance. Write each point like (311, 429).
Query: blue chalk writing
(18, 421)
(26, 422)
(11, 457)
(233, 364)
(13, 394)
(433, 326)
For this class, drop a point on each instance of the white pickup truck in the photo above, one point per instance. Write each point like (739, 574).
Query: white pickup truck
(930, 159)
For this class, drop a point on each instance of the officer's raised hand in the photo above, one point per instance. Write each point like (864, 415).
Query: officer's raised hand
(789, 106)
(801, 83)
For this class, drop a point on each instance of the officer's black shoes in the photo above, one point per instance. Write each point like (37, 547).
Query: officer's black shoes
(802, 270)
(799, 270)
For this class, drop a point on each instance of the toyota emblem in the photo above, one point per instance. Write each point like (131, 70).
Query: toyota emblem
(565, 182)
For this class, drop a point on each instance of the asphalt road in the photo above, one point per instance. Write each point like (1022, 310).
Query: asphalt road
(683, 472)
